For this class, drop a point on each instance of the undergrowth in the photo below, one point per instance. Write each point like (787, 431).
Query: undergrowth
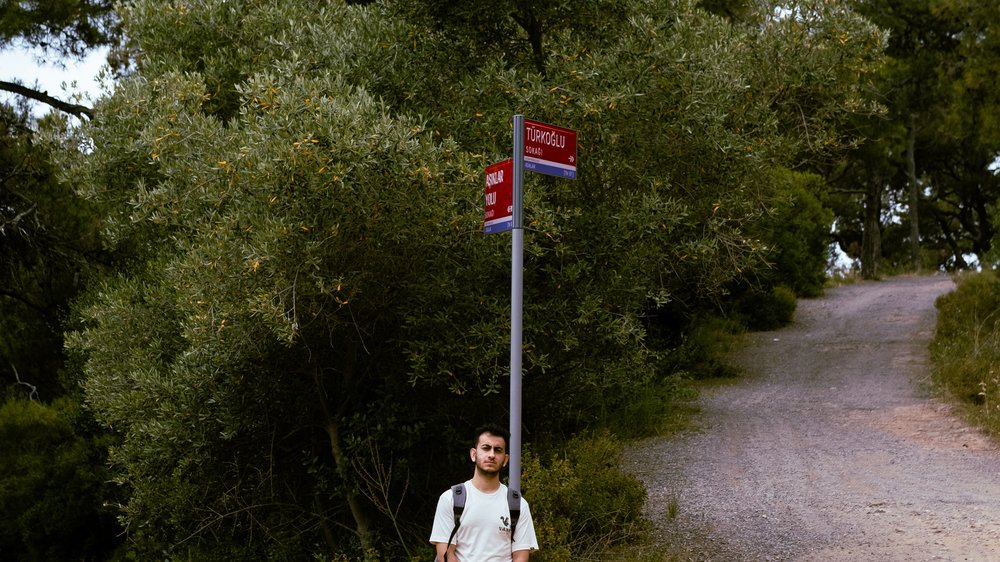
(581, 500)
(965, 351)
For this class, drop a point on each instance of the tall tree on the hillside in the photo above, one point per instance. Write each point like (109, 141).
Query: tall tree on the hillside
(938, 88)
(917, 46)
(972, 126)
(54, 480)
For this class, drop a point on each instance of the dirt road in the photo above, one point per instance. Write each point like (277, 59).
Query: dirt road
(829, 448)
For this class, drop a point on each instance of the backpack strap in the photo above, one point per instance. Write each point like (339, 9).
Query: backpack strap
(514, 506)
(458, 496)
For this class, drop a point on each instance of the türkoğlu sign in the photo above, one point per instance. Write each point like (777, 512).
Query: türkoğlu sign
(549, 149)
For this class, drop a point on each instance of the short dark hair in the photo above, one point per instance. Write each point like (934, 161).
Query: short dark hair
(492, 429)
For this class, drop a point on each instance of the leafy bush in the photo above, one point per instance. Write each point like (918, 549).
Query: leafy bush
(798, 233)
(582, 501)
(767, 310)
(52, 484)
(966, 346)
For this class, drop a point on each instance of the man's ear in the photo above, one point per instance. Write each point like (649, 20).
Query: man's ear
(472, 455)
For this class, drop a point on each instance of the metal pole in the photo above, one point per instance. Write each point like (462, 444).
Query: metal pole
(516, 304)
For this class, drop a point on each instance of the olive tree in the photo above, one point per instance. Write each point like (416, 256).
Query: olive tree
(313, 316)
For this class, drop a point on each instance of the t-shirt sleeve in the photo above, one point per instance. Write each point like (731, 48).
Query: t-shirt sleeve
(444, 518)
(524, 534)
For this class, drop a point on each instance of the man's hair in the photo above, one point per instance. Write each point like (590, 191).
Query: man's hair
(495, 430)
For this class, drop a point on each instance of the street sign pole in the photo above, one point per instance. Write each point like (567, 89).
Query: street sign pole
(516, 304)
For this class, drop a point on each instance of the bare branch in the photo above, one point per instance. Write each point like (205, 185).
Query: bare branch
(33, 395)
(74, 109)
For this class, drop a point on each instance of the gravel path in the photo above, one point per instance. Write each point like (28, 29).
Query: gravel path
(829, 448)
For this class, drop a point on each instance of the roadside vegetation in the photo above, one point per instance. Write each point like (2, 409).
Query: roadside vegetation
(966, 348)
(247, 309)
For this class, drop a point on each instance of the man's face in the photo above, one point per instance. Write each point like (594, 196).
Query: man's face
(490, 454)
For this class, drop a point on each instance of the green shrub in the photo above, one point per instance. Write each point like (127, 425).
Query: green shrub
(52, 484)
(767, 310)
(581, 500)
(798, 233)
(966, 347)
(657, 410)
(698, 353)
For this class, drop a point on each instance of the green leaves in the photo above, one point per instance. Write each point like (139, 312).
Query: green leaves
(52, 483)
(301, 191)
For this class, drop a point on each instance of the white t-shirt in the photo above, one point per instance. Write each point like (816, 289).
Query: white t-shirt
(485, 532)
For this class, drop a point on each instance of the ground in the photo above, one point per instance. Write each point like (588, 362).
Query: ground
(830, 446)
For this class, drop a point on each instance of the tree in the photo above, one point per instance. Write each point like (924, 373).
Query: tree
(54, 484)
(70, 27)
(933, 86)
(48, 245)
(48, 235)
(969, 183)
(310, 300)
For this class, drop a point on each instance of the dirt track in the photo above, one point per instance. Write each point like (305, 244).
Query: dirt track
(829, 448)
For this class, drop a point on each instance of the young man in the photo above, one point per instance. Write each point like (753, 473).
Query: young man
(484, 533)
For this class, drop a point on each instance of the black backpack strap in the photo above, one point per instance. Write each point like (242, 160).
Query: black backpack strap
(514, 505)
(458, 496)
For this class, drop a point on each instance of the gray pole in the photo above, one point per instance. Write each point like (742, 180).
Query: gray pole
(516, 303)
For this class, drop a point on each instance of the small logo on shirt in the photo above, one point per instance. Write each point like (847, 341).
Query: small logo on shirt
(506, 524)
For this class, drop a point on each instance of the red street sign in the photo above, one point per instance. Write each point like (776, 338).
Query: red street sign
(549, 149)
(499, 197)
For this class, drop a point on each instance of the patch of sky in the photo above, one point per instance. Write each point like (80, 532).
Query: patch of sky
(76, 81)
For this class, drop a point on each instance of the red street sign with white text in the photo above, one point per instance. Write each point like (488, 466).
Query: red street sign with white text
(499, 197)
(549, 149)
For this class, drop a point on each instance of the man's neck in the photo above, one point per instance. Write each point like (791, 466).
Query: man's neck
(486, 483)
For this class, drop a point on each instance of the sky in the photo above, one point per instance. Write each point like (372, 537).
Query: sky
(22, 65)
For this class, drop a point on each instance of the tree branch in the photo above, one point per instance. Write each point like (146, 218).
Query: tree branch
(74, 109)
(530, 24)
(25, 301)
(33, 395)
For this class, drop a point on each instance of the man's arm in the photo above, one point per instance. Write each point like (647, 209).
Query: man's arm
(520, 555)
(441, 548)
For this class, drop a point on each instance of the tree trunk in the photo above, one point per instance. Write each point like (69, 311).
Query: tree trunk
(911, 175)
(361, 523)
(530, 24)
(871, 236)
(362, 526)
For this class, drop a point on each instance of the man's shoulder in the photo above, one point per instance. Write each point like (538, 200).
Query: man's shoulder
(454, 489)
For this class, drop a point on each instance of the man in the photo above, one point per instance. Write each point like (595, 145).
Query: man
(484, 533)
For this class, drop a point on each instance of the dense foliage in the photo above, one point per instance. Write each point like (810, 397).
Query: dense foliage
(310, 301)
(54, 483)
(286, 317)
(926, 176)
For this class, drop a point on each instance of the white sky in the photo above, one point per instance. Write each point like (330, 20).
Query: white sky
(21, 65)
